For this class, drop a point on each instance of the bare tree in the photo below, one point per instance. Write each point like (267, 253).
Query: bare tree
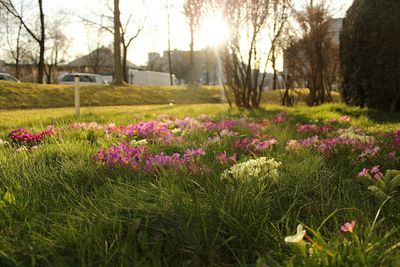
(56, 48)
(281, 12)
(118, 78)
(125, 39)
(40, 38)
(314, 57)
(192, 10)
(169, 45)
(15, 42)
(244, 63)
(126, 42)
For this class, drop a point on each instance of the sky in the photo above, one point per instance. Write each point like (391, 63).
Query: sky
(152, 14)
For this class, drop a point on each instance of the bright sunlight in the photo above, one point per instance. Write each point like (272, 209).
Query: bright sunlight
(214, 30)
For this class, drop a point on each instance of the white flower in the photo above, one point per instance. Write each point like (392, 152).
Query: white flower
(22, 149)
(137, 143)
(2, 142)
(259, 168)
(298, 236)
(176, 131)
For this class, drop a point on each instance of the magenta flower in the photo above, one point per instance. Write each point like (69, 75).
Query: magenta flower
(154, 162)
(193, 153)
(348, 227)
(363, 173)
(21, 136)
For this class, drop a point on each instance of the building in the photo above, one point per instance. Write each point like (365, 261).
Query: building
(99, 61)
(335, 29)
(207, 67)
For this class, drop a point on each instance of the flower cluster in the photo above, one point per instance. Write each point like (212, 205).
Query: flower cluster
(366, 146)
(149, 129)
(355, 134)
(281, 117)
(138, 157)
(381, 185)
(375, 171)
(108, 128)
(121, 155)
(397, 140)
(254, 145)
(253, 169)
(223, 158)
(313, 128)
(22, 136)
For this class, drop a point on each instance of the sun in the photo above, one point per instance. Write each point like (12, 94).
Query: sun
(214, 30)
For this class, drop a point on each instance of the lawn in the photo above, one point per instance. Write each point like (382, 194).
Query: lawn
(29, 95)
(199, 185)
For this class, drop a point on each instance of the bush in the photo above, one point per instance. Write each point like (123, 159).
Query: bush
(370, 54)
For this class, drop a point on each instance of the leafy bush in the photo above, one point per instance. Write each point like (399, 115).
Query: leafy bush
(370, 54)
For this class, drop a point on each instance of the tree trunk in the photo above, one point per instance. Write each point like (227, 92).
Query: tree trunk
(18, 52)
(41, 44)
(394, 105)
(117, 45)
(125, 64)
(192, 69)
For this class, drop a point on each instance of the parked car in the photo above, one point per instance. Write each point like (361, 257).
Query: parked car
(8, 77)
(85, 78)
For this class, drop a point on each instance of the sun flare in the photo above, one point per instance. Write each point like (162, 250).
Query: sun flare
(214, 30)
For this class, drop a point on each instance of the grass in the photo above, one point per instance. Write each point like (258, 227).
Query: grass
(29, 95)
(70, 210)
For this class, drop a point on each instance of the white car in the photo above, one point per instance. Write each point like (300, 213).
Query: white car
(8, 77)
(84, 78)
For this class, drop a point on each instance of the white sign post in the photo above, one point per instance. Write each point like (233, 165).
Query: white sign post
(77, 96)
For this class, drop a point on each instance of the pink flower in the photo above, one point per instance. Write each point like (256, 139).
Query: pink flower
(281, 117)
(377, 172)
(398, 137)
(222, 158)
(363, 173)
(391, 155)
(345, 118)
(348, 227)
(375, 169)
(293, 145)
(332, 121)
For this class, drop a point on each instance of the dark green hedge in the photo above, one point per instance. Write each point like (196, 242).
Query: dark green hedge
(370, 54)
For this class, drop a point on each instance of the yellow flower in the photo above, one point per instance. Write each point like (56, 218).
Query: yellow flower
(9, 198)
